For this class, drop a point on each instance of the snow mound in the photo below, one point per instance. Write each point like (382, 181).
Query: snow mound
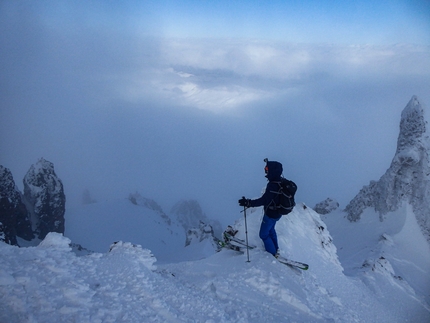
(57, 241)
(127, 249)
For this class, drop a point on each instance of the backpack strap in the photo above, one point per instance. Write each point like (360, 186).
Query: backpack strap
(272, 205)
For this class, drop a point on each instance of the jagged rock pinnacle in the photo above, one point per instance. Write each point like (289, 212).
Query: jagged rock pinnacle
(407, 179)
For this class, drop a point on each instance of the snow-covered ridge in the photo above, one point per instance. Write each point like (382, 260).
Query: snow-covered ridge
(127, 284)
(407, 178)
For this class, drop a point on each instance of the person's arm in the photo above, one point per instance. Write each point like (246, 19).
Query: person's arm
(267, 197)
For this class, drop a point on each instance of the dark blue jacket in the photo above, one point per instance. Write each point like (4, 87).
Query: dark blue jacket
(270, 198)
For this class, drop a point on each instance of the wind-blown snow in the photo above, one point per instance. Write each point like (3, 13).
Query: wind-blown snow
(49, 283)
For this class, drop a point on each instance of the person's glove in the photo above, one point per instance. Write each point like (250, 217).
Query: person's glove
(244, 202)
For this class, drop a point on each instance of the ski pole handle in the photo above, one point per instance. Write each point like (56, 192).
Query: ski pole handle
(244, 207)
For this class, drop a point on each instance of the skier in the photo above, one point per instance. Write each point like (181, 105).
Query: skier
(269, 200)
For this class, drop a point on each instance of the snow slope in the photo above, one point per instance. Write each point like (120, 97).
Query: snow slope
(392, 257)
(95, 226)
(49, 283)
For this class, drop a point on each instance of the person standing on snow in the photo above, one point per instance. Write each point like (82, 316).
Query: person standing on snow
(269, 200)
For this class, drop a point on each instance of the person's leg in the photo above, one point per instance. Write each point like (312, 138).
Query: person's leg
(274, 236)
(266, 234)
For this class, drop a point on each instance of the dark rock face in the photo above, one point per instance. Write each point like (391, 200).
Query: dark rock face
(44, 197)
(407, 179)
(13, 213)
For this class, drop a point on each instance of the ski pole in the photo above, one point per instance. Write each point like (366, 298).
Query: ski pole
(246, 231)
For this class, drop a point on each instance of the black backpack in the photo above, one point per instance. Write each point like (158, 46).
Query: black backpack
(287, 190)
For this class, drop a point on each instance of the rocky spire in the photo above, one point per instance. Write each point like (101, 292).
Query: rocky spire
(13, 213)
(407, 179)
(45, 199)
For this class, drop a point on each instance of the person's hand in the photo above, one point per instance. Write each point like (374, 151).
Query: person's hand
(244, 202)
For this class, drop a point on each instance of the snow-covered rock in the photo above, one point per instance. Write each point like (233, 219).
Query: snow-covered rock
(203, 232)
(13, 213)
(408, 177)
(190, 214)
(45, 199)
(326, 206)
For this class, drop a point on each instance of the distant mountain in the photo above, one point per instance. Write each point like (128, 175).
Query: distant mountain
(138, 199)
(408, 177)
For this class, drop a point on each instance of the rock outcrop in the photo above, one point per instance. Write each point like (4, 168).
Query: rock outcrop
(326, 206)
(200, 233)
(45, 199)
(408, 177)
(13, 213)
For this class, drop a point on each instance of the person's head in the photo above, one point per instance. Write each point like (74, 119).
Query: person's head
(273, 169)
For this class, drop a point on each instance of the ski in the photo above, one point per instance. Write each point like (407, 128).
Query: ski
(228, 245)
(231, 242)
(234, 243)
(293, 263)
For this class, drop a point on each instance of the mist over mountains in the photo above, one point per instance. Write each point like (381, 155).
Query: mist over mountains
(42, 205)
(376, 246)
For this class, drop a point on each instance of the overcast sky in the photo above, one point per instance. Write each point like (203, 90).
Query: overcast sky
(184, 99)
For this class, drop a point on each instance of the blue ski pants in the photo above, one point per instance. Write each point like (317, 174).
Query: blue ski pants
(268, 234)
